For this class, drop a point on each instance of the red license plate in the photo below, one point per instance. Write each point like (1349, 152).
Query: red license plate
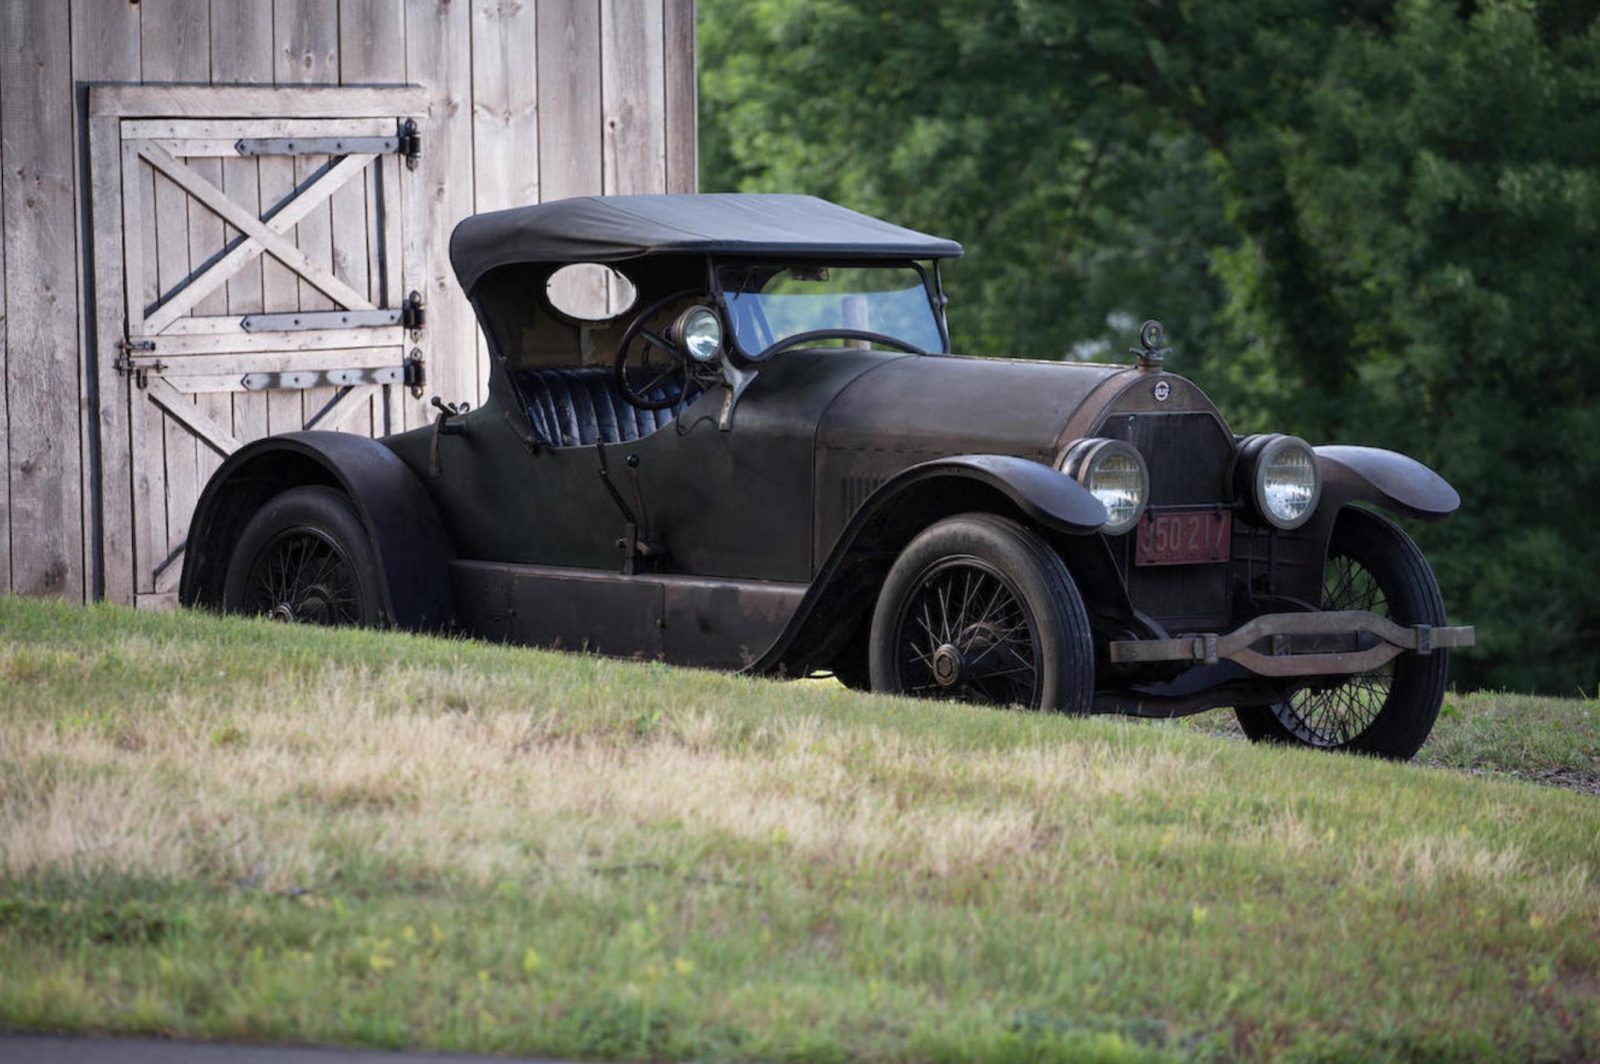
(1183, 538)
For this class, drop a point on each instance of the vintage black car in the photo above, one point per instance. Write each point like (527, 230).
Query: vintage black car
(750, 449)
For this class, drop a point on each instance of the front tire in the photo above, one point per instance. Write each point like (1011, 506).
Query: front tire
(978, 608)
(1388, 712)
(305, 558)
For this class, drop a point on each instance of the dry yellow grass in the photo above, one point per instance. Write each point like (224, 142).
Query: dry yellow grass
(187, 790)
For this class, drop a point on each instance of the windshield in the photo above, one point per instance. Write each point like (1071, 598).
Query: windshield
(767, 303)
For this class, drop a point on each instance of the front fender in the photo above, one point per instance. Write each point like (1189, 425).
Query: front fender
(1387, 479)
(1044, 495)
(407, 537)
(846, 582)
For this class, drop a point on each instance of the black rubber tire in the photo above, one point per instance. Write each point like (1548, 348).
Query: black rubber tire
(1036, 577)
(323, 517)
(1418, 682)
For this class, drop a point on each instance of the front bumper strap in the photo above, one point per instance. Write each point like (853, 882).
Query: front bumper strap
(1277, 633)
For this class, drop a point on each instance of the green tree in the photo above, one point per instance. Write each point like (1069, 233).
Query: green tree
(1363, 221)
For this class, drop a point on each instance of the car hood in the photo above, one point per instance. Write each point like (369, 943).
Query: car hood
(926, 406)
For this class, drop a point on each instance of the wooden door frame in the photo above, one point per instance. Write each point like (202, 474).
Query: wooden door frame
(107, 428)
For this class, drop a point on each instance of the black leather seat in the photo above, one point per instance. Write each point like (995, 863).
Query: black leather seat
(574, 407)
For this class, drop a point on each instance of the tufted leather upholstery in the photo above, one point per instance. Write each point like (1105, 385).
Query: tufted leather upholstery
(572, 407)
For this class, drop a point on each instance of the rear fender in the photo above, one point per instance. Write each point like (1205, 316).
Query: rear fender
(846, 583)
(402, 524)
(1386, 479)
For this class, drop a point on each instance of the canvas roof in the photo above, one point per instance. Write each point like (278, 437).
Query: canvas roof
(616, 228)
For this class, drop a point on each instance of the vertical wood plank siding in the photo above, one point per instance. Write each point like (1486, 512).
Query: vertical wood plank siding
(529, 99)
(45, 505)
(683, 106)
(5, 455)
(571, 158)
(505, 114)
(633, 96)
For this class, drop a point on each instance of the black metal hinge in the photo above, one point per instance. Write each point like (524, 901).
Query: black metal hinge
(415, 373)
(413, 315)
(406, 142)
(410, 143)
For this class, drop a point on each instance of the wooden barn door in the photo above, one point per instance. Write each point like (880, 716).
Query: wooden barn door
(266, 268)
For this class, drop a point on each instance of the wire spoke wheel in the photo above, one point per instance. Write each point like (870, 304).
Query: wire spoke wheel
(1372, 566)
(303, 576)
(965, 634)
(1334, 714)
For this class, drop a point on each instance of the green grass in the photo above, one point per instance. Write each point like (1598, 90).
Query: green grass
(1549, 740)
(221, 828)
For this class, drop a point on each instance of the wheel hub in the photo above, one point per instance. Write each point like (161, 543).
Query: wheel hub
(947, 665)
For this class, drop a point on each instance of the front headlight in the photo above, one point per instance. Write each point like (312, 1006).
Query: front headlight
(1114, 472)
(1281, 475)
(699, 332)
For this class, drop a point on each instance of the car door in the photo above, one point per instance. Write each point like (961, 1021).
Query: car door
(740, 503)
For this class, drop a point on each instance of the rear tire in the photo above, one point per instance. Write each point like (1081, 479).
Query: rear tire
(305, 558)
(978, 608)
(1388, 712)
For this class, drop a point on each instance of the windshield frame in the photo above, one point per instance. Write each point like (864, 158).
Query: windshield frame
(932, 285)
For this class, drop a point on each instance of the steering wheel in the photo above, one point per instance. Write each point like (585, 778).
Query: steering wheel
(836, 334)
(678, 364)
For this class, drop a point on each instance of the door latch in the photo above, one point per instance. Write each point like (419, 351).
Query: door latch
(139, 369)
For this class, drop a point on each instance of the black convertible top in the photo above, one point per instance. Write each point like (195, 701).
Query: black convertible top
(613, 228)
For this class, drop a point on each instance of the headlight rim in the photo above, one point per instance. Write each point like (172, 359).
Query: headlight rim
(1255, 456)
(1079, 462)
(680, 332)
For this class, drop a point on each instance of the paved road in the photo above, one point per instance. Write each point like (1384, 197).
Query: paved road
(72, 1049)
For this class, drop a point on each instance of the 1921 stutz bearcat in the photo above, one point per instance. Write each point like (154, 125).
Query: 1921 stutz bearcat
(752, 450)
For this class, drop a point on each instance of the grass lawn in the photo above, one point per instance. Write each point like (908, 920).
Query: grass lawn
(221, 828)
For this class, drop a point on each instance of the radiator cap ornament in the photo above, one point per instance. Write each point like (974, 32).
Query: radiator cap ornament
(1152, 350)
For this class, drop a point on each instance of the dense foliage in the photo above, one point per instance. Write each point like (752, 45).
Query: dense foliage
(1361, 221)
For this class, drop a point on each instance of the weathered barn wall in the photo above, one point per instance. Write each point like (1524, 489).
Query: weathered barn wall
(527, 100)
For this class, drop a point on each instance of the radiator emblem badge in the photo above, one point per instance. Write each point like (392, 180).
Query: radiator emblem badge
(1162, 390)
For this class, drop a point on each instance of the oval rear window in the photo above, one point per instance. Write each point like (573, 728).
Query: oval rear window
(590, 292)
